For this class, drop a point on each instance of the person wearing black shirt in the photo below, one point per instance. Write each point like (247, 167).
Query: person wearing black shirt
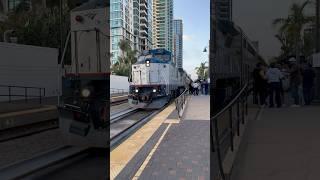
(260, 84)
(307, 83)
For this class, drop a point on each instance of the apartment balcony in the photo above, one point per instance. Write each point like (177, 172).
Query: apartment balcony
(143, 33)
(144, 38)
(143, 26)
(143, 13)
(143, 6)
(143, 20)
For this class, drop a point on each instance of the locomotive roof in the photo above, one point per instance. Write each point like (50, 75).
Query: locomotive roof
(152, 54)
(154, 60)
(156, 52)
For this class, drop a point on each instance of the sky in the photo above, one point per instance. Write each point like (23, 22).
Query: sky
(255, 18)
(196, 23)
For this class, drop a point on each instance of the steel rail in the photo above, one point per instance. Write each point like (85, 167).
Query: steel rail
(29, 166)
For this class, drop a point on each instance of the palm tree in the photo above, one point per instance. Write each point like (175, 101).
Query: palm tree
(293, 25)
(287, 44)
(202, 71)
(128, 57)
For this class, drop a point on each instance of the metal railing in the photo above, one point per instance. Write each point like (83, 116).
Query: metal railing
(180, 101)
(225, 125)
(25, 92)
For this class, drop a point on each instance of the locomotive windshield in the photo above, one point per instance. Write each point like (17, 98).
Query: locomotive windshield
(143, 58)
(163, 57)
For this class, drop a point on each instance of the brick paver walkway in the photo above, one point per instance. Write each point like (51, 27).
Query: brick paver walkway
(184, 152)
(282, 144)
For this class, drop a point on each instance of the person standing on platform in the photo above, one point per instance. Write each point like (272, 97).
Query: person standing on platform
(203, 87)
(255, 75)
(206, 87)
(274, 77)
(284, 82)
(307, 83)
(295, 84)
(195, 86)
(191, 88)
(260, 84)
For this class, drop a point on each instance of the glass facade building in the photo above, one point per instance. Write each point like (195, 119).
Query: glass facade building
(163, 24)
(130, 20)
(224, 10)
(178, 42)
(145, 24)
(122, 25)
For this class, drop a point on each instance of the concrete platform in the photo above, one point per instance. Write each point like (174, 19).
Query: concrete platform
(282, 144)
(29, 116)
(168, 147)
(21, 105)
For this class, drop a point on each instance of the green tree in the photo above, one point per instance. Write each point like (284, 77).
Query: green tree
(39, 26)
(290, 28)
(287, 45)
(202, 71)
(128, 57)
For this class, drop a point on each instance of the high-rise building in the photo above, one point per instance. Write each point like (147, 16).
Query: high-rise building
(145, 24)
(122, 25)
(163, 24)
(10, 5)
(178, 42)
(224, 10)
(130, 20)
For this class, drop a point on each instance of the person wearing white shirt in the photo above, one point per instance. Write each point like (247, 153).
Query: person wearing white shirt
(274, 76)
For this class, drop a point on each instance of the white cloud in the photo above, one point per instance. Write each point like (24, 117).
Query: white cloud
(187, 37)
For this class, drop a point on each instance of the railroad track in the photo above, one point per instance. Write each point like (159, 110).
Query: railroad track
(122, 114)
(128, 123)
(28, 130)
(119, 102)
(125, 126)
(58, 164)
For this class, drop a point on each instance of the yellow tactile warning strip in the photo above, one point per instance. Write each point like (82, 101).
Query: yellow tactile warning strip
(40, 109)
(121, 155)
(143, 166)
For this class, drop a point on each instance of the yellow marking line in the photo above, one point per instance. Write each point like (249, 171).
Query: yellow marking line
(121, 155)
(146, 161)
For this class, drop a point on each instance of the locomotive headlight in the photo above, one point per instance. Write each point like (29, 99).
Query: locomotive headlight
(148, 63)
(154, 90)
(137, 90)
(85, 93)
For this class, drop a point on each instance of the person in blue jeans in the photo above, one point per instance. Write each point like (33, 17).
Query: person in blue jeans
(295, 83)
(274, 77)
